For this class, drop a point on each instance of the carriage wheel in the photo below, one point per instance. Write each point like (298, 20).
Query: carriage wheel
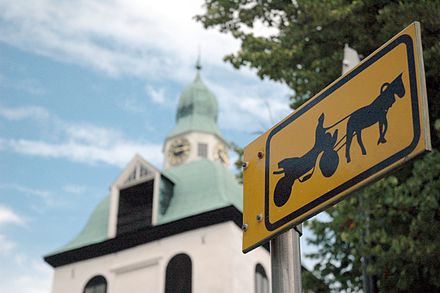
(283, 190)
(329, 163)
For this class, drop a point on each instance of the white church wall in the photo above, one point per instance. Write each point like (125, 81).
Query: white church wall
(246, 264)
(136, 278)
(218, 264)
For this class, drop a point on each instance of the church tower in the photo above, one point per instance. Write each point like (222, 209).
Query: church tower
(196, 134)
(176, 230)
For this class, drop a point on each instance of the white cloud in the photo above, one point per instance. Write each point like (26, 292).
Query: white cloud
(132, 105)
(37, 279)
(250, 105)
(26, 276)
(117, 153)
(74, 189)
(91, 135)
(153, 40)
(20, 113)
(82, 142)
(144, 38)
(156, 95)
(8, 216)
(28, 85)
(6, 245)
(46, 196)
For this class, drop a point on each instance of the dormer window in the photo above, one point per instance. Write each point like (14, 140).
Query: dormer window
(135, 207)
(134, 195)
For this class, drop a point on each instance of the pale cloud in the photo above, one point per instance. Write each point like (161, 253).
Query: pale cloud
(26, 112)
(156, 95)
(2, 144)
(28, 85)
(79, 142)
(6, 245)
(91, 135)
(46, 196)
(28, 275)
(74, 189)
(117, 153)
(152, 39)
(250, 105)
(148, 40)
(37, 280)
(8, 216)
(132, 105)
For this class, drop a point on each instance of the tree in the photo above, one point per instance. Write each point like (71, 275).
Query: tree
(304, 51)
(403, 238)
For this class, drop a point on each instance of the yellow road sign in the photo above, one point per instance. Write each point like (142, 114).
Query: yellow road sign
(364, 124)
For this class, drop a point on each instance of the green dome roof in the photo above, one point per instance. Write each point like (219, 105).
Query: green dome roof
(201, 186)
(197, 109)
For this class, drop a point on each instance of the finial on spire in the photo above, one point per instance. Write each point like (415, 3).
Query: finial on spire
(198, 65)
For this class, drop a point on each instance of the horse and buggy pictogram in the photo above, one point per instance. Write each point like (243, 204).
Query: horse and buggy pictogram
(327, 146)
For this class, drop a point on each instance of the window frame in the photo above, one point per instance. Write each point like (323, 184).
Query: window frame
(261, 280)
(183, 263)
(95, 281)
(202, 150)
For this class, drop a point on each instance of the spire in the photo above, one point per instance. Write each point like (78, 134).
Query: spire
(197, 109)
(198, 65)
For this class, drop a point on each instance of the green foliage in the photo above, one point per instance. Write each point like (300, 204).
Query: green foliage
(311, 284)
(239, 162)
(394, 222)
(306, 50)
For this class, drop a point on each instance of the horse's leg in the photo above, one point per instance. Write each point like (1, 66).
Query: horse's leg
(350, 132)
(379, 140)
(383, 125)
(361, 144)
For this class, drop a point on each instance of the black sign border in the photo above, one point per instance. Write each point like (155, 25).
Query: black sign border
(408, 41)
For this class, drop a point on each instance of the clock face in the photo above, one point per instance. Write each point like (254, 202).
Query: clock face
(220, 153)
(178, 151)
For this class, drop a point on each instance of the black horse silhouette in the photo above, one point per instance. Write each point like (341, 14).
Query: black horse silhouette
(376, 112)
(294, 168)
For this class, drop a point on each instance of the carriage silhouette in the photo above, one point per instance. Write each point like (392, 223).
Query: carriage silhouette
(302, 168)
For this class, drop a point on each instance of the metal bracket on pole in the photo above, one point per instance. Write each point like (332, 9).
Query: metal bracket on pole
(286, 261)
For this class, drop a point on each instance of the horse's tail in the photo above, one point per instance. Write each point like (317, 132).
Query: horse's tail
(334, 124)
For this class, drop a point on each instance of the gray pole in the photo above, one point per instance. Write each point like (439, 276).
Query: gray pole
(286, 262)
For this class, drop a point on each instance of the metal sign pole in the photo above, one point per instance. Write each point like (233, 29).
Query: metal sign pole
(286, 262)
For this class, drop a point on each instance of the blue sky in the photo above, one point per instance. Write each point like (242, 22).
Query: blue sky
(84, 85)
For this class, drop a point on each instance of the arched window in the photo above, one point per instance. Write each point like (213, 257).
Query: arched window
(261, 281)
(97, 284)
(179, 274)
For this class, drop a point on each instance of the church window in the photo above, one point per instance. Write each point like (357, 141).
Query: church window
(202, 150)
(179, 274)
(132, 176)
(261, 281)
(135, 207)
(166, 191)
(143, 171)
(97, 284)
